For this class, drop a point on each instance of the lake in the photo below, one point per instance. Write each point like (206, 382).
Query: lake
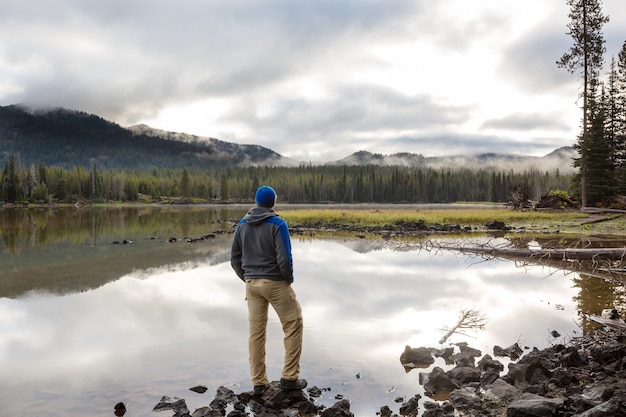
(101, 305)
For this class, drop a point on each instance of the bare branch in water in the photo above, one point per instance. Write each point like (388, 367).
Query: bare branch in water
(468, 319)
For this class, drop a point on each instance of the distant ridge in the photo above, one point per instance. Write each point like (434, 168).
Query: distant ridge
(61, 137)
(561, 159)
(65, 138)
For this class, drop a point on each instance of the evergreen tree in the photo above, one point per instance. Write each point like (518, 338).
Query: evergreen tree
(185, 184)
(585, 57)
(11, 189)
(620, 119)
(601, 179)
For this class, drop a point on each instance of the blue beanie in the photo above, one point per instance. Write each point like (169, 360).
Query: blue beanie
(265, 196)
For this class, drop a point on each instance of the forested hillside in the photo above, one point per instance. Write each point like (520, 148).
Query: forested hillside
(68, 138)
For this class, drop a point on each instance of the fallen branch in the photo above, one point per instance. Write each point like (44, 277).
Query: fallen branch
(590, 254)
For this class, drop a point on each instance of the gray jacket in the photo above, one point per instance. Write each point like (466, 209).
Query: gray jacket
(261, 247)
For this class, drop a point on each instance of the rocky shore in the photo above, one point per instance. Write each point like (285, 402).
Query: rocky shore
(586, 377)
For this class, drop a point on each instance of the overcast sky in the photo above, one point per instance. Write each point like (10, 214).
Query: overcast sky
(315, 80)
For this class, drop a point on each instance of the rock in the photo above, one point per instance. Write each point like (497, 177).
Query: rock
(385, 411)
(495, 225)
(514, 351)
(178, 405)
(339, 409)
(487, 362)
(502, 392)
(466, 355)
(119, 410)
(532, 405)
(206, 412)
(411, 407)
(608, 354)
(420, 357)
(465, 399)
(437, 382)
(464, 374)
(200, 389)
(612, 407)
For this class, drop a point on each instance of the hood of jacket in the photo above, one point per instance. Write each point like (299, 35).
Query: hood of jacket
(258, 215)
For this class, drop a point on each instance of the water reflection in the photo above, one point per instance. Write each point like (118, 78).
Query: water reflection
(68, 249)
(159, 331)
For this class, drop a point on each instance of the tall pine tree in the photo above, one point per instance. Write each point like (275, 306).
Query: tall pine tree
(585, 57)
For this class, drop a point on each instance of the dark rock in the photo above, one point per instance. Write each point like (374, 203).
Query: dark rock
(200, 389)
(531, 405)
(206, 412)
(514, 351)
(385, 411)
(465, 399)
(502, 392)
(487, 362)
(444, 354)
(119, 410)
(571, 358)
(411, 407)
(437, 382)
(316, 392)
(495, 225)
(167, 403)
(339, 409)
(489, 377)
(419, 357)
(466, 356)
(612, 407)
(608, 354)
(464, 374)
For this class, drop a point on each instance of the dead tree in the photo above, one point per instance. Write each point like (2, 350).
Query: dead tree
(518, 197)
(468, 319)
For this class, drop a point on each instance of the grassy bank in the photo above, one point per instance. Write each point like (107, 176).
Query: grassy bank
(542, 221)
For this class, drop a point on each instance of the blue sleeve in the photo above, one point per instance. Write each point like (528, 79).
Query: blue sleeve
(283, 248)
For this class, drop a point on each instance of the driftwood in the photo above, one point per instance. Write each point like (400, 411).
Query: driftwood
(617, 323)
(605, 263)
(567, 254)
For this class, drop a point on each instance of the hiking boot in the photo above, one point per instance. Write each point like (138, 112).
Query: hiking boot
(292, 384)
(259, 389)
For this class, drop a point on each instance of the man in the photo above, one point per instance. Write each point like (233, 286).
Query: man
(261, 257)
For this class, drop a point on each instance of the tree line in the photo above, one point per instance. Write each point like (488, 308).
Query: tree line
(310, 184)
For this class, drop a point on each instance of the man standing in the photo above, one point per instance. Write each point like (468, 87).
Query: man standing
(261, 257)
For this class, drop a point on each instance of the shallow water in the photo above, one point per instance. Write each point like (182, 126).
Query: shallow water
(164, 327)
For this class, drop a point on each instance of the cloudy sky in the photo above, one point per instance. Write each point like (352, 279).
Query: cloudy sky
(315, 80)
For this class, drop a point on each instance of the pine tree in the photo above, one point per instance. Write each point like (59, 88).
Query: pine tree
(586, 57)
(620, 119)
(600, 168)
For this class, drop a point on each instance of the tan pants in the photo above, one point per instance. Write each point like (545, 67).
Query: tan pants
(260, 293)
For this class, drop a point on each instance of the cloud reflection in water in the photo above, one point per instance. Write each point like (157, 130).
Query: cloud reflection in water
(162, 331)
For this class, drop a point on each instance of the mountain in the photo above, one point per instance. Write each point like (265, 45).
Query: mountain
(61, 137)
(66, 138)
(561, 159)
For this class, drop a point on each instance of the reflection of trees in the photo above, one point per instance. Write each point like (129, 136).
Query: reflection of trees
(54, 249)
(27, 228)
(595, 295)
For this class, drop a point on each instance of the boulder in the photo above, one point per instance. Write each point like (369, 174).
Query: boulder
(419, 357)
(532, 405)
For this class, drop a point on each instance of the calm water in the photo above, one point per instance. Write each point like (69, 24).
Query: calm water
(85, 323)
